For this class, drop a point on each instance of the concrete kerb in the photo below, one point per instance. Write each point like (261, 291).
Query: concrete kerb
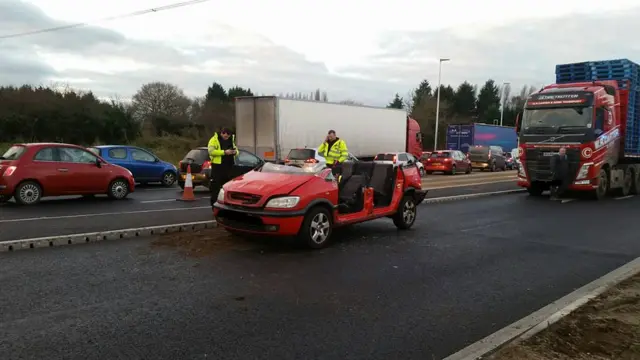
(61, 240)
(548, 315)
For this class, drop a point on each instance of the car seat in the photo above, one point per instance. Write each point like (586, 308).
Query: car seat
(350, 193)
(382, 179)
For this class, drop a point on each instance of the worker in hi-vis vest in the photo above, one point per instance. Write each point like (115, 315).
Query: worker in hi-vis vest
(334, 151)
(222, 152)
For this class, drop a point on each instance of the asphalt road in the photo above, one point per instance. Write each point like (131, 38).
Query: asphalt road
(465, 270)
(154, 205)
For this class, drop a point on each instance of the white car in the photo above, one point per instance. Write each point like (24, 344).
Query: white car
(400, 158)
(309, 155)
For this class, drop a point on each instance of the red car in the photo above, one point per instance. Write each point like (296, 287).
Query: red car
(29, 172)
(308, 202)
(448, 161)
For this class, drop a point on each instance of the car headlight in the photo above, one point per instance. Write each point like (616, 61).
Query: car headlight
(221, 196)
(285, 202)
(584, 171)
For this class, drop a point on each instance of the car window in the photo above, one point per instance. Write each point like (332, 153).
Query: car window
(74, 155)
(301, 154)
(45, 154)
(440, 155)
(247, 159)
(410, 157)
(94, 150)
(118, 153)
(13, 153)
(141, 155)
(402, 157)
(197, 156)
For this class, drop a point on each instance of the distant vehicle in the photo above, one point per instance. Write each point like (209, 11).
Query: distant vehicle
(516, 158)
(487, 158)
(448, 161)
(285, 124)
(309, 155)
(308, 203)
(30, 172)
(145, 166)
(511, 161)
(200, 163)
(462, 137)
(400, 158)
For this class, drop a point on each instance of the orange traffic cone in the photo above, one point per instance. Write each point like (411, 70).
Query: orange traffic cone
(187, 194)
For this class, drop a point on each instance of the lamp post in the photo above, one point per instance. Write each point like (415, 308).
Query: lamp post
(504, 85)
(435, 141)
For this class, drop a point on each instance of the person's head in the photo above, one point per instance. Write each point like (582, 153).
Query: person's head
(225, 133)
(331, 135)
(562, 151)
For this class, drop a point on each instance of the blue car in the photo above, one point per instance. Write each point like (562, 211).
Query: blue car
(144, 165)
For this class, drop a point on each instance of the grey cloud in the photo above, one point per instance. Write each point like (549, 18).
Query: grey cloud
(522, 53)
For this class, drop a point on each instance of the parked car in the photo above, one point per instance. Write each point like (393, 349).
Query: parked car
(400, 158)
(143, 164)
(198, 158)
(487, 157)
(448, 161)
(309, 155)
(30, 172)
(510, 160)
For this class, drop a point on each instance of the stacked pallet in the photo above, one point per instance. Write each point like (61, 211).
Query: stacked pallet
(626, 73)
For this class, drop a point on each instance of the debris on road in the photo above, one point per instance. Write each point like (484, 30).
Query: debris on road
(203, 242)
(608, 327)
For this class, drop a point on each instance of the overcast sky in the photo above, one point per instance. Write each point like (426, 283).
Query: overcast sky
(353, 49)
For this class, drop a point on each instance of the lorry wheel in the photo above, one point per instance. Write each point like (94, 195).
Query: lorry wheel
(627, 183)
(406, 214)
(603, 185)
(635, 183)
(316, 228)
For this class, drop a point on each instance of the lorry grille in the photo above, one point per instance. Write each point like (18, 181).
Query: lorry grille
(538, 163)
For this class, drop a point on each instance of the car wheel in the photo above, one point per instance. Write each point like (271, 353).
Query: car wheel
(453, 170)
(422, 172)
(493, 167)
(118, 189)
(406, 214)
(28, 193)
(316, 228)
(168, 178)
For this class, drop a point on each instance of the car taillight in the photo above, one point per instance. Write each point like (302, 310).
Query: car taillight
(9, 171)
(447, 160)
(311, 161)
(429, 160)
(286, 160)
(206, 165)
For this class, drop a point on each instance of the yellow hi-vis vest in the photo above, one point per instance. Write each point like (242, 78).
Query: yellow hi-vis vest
(338, 151)
(215, 153)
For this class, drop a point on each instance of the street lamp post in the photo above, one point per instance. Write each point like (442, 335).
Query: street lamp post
(504, 85)
(435, 141)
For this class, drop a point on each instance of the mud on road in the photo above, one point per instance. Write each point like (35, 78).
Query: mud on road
(607, 327)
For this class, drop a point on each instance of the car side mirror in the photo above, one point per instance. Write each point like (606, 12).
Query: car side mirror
(157, 160)
(410, 162)
(98, 163)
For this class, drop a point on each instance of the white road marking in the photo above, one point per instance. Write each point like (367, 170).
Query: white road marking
(103, 214)
(564, 201)
(624, 197)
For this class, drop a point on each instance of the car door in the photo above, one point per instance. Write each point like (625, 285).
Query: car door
(145, 165)
(49, 172)
(245, 162)
(82, 174)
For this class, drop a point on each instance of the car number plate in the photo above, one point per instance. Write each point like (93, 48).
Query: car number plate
(436, 164)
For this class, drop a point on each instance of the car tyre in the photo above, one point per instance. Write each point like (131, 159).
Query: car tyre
(453, 170)
(168, 178)
(493, 167)
(118, 189)
(28, 193)
(404, 218)
(316, 228)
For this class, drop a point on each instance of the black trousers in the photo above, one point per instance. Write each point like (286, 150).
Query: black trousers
(220, 175)
(559, 187)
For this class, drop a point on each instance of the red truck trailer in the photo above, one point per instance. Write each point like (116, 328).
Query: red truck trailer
(596, 121)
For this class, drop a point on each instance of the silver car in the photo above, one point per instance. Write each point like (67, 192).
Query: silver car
(309, 155)
(400, 158)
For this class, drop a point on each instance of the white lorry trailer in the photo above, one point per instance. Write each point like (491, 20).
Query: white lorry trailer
(270, 127)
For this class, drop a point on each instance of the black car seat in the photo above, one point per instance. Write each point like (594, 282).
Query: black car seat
(346, 172)
(382, 179)
(365, 168)
(351, 192)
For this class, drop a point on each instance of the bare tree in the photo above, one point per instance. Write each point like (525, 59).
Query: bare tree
(161, 99)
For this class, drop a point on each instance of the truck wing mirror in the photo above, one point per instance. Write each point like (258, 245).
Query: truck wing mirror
(518, 116)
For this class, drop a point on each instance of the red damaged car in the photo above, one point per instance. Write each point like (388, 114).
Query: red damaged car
(308, 202)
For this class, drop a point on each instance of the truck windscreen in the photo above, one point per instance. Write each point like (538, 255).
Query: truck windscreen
(555, 120)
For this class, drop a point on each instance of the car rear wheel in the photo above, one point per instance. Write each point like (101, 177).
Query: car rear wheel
(493, 167)
(118, 189)
(453, 170)
(168, 178)
(406, 214)
(28, 193)
(316, 228)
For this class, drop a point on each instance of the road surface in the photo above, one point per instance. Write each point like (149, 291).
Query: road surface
(153, 206)
(465, 270)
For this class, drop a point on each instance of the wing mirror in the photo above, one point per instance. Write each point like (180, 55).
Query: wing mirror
(98, 163)
(518, 117)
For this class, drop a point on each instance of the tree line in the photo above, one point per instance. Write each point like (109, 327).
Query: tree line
(157, 109)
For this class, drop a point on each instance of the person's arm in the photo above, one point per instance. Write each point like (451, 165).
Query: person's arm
(322, 148)
(344, 152)
(213, 149)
